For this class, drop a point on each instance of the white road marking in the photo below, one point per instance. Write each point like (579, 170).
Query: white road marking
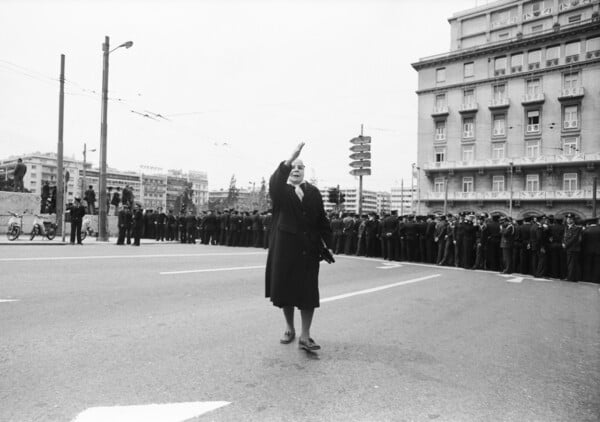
(388, 265)
(376, 289)
(170, 412)
(212, 270)
(9, 300)
(515, 280)
(75, 258)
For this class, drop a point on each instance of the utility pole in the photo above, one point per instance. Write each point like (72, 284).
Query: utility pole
(510, 201)
(594, 194)
(360, 183)
(412, 189)
(60, 188)
(445, 196)
(102, 211)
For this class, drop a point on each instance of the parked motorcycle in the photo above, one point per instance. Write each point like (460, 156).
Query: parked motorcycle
(43, 228)
(15, 226)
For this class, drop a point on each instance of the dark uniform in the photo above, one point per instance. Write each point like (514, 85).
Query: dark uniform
(572, 245)
(440, 238)
(493, 246)
(124, 223)
(77, 212)
(138, 225)
(507, 233)
(389, 236)
(590, 247)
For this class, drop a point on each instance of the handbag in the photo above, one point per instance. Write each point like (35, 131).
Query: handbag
(325, 253)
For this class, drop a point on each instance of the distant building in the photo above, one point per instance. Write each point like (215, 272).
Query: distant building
(509, 118)
(384, 202)
(402, 199)
(369, 203)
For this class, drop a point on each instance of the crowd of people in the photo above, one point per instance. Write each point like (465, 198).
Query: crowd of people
(539, 246)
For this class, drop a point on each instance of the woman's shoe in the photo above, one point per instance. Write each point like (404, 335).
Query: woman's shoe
(288, 337)
(308, 345)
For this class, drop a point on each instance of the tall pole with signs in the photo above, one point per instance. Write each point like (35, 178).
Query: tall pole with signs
(60, 196)
(361, 164)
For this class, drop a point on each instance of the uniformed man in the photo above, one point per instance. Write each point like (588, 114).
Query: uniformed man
(493, 246)
(543, 237)
(337, 228)
(590, 246)
(507, 235)
(555, 267)
(411, 238)
(138, 224)
(572, 245)
(371, 234)
(349, 231)
(161, 223)
(480, 237)
(389, 236)
(124, 223)
(439, 237)
(525, 258)
(468, 242)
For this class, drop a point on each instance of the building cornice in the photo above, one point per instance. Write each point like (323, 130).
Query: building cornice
(508, 45)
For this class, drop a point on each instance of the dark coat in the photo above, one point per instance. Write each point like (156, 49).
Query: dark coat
(292, 273)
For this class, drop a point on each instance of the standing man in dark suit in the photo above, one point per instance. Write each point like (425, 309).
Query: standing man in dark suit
(507, 235)
(124, 223)
(300, 225)
(525, 257)
(137, 224)
(77, 212)
(389, 235)
(439, 237)
(572, 245)
(590, 248)
(90, 199)
(557, 232)
(18, 175)
(493, 245)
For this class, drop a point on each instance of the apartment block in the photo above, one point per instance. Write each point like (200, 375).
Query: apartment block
(509, 118)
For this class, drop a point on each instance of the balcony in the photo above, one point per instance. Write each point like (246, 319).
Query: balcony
(533, 66)
(516, 69)
(592, 54)
(539, 195)
(570, 124)
(540, 160)
(440, 111)
(470, 107)
(571, 93)
(533, 98)
(551, 62)
(573, 58)
(534, 128)
(498, 103)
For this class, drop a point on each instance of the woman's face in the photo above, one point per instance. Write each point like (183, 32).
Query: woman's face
(297, 174)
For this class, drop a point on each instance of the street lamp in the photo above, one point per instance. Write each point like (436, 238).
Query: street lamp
(83, 181)
(510, 201)
(103, 211)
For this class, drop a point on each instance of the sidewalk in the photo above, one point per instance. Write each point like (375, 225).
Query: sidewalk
(23, 240)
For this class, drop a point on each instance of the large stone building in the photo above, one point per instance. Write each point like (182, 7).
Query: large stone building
(402, 200)
(509, 119)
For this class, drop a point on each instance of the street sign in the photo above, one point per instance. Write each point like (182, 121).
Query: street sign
(360, 148)
(360, 156)
(361, 140)
(360, 172)
(360, 164)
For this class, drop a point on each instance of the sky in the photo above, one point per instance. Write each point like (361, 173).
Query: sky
(237, 84)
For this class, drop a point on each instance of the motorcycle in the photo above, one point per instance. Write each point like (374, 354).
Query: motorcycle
(15, 226)
(43, 228)
(86, 227)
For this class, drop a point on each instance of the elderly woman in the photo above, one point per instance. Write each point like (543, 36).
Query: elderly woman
(299, 226)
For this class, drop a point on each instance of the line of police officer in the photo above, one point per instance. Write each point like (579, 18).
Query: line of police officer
(541, 246)
(230, 227)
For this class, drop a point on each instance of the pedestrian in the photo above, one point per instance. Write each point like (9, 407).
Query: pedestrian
(18, 174)
(77, 212)
(116, 199)
(507, 237)
(267, 221)
(300, 228)
(124, 223)
(138, 224)
(45, 198)
(590, 248)
(90, 200)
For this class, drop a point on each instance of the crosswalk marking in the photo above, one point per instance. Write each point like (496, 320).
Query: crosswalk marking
(9, 300)
(169, 412)
(212, 270)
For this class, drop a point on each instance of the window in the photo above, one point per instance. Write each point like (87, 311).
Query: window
(534, 56)
(499, 125)
(468, 127)
(571, 80)
(532, 149)
(440, 101)
(532, 183)
(534, 87)
(516, 62)
(469, 96)
(440, 74)
(552, 55)
(593, 44)
(33, 166)
(570, 146)
(533, 121)
(573, 48)
(500, 66)
(498, 184)
(467, 184)
(468, 70)
(570, 181)
(468, 152)
(440, 154)
(499, 92)
(440, 130)
(439, 184)
(498, 151)
(571, 119)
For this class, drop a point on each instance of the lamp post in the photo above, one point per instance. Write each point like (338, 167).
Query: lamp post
(83, 181)
(510, 201)
(103, 211)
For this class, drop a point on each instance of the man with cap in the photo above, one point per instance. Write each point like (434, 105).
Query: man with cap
(557, 231)
(439, 237)
(124, 223)
(481, 234)
(493, 248)
(590, 245)
(430, 245)
(507, 235)
(543, 234)
(572, 245)
(77, 212)
(412, 244)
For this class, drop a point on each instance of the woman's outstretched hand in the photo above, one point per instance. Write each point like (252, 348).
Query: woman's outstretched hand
(296, 153)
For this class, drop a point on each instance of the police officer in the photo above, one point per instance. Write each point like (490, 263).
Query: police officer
(572, 245)
(590, 245)
(138, 224)
(124, 223)
(77, 212)
(507, 233)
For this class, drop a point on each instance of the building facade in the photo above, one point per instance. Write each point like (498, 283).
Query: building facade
(509, 119)
(402, 199)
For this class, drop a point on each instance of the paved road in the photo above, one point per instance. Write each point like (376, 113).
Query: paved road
(104, 326)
